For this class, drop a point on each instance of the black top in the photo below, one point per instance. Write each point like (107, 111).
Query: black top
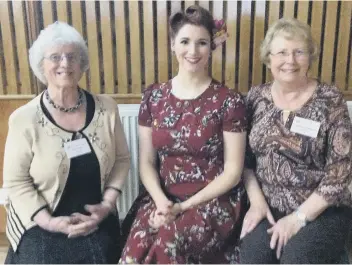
(83, 182)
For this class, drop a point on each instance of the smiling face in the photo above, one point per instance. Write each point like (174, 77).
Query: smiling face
(192, 46)
(289, 59)
(61, 66)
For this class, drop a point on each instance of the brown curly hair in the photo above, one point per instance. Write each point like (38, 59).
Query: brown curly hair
(193, 15)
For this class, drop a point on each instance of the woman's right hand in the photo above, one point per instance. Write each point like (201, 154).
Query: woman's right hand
(162, 215)
(256, 213)
(60, 224)
(164, 206)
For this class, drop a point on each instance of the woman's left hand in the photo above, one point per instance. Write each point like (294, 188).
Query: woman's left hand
(88, 224)
(282, 231)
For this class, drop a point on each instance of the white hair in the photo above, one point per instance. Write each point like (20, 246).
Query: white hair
(58, 33)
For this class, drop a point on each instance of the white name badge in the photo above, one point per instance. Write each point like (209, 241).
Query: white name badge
(305, 127)
(77, 148)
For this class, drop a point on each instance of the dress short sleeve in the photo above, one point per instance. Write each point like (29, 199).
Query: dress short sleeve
(145, 115)
(234, 112)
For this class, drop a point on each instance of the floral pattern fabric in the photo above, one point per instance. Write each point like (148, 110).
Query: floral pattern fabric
(290, 166)
(188, 137)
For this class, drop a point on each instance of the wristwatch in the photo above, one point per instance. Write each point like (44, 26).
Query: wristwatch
(302, 217)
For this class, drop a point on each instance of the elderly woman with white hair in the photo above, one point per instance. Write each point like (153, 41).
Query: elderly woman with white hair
(299, 158)
(66, 159)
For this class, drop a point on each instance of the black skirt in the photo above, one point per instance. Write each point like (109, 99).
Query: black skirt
(39, 246)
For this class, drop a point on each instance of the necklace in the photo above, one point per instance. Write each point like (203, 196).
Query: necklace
(63, 109)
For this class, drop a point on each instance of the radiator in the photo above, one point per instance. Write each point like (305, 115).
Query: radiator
(129, 119)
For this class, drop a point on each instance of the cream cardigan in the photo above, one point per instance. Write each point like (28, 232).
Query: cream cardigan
(36, 166)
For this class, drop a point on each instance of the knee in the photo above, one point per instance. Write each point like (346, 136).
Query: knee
(303, 254)
(168, 237)
(300, 252)
(166, 247)
(255, 246)
(295, 255)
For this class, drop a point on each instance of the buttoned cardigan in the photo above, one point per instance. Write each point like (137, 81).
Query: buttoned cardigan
(36, 166)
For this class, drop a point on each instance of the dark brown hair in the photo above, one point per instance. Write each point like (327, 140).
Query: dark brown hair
(194, 15)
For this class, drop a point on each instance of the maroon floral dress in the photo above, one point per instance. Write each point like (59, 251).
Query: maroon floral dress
(188, 137)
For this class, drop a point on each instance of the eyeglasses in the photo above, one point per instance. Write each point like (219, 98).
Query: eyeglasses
(70, 57)
(298, 54)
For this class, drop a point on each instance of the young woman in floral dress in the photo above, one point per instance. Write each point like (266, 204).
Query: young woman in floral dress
(196, 128)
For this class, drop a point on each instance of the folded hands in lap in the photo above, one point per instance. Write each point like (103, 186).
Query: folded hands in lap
(164, 214)
(86, 224)
(61, 224)
(79, 224)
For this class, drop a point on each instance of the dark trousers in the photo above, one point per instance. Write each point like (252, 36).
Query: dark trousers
(39, 246)
(321, 241)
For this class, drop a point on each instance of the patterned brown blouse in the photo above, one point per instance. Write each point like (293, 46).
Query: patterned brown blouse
(290, 166)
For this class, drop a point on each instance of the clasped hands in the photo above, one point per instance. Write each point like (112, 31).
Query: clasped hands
(79, 224)
(165, 213)
(281, 231)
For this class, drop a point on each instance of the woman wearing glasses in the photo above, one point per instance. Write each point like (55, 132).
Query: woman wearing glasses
(298, 164)
(65, 162)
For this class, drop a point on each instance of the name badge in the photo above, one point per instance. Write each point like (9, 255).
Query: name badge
(77, 148)
(305, 127)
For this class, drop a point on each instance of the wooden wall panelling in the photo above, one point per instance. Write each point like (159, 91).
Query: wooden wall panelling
(274, 14)
(316, 27)
(216, 55)
(162, 54)
(48, 13)
(2, 69)
(230, 63)
(32, 23)
(121, 48)
(205, 4)
(243, 75)
(93, 48)
(77, 23)
(124, 64)
(289, 9)
(148, 28)
(343, 46)
(134, 18)
(175, 7)
(258, 37)
(108, 53)
(329, 44)
(62, 13)
(302, 12)
(25, 85)
(9, 48)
